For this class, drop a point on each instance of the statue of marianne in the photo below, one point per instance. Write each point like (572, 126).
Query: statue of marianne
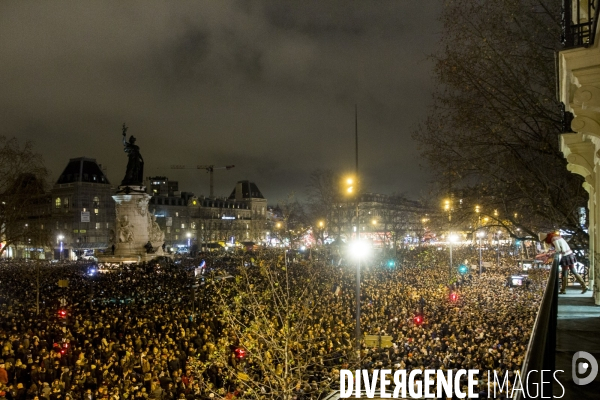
(135, 166)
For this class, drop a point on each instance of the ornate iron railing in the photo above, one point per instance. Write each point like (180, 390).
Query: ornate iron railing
(579, 22)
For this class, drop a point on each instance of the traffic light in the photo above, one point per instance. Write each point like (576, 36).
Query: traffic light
(62, 313)
(391, 263)
(418, 319)
(463, 269)
(453, 297)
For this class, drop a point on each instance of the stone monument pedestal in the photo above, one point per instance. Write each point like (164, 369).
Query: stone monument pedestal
(135, 227)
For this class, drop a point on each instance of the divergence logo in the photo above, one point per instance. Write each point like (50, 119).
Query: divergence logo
(581, 368)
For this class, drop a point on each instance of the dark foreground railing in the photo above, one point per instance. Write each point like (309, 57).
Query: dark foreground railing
(541, 350)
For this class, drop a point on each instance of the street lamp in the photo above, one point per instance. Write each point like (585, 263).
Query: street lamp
(351, 182)
(349, 185)
(452, 238)
(480, 236)
(60, 238)
(498, 247)
(359, 249)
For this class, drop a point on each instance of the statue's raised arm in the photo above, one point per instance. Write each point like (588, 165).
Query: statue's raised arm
(124, 134)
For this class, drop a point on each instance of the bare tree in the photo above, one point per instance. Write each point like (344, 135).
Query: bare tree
(22, 194)
(268, 344)
(294, 219)
(324, 201)
(492, 134)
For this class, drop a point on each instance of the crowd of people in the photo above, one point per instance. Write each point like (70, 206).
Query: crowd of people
(250, 326)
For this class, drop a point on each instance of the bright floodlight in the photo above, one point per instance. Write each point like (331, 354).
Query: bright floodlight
(349, 181)
(453, 238)
(189, 234)
(480, 234)
(359, 248)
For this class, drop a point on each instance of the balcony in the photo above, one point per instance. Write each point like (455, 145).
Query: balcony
(579, 22)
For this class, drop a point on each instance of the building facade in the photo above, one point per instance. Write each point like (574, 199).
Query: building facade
(188, 220)
(76, 217)
(386, 220)
(83, 210)
(579, 85)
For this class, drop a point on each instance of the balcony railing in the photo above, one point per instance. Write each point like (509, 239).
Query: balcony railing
(579, 22)
(542, 343)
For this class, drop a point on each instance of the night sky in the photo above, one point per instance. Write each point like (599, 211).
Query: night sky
(269, 86)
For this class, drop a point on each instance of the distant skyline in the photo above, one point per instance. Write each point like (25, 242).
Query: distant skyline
(269, 86)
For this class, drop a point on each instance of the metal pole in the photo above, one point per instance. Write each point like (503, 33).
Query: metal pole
(479, 256)
(498, 248)
(358, 333)
(450, 269)
(37, 300)
(212, 186)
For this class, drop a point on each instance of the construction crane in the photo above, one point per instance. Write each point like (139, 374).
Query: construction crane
(209, 168)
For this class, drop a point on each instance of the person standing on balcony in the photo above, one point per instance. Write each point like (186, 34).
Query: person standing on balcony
(567, 259)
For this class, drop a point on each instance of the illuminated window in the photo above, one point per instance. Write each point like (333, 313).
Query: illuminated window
(66, 202)
(177, 214)
(182, 226)
(57, 202)
(177, 238)
(168, 229)
(97, 225)
(96, 211)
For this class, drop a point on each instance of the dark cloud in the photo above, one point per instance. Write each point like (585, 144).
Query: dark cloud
(268, 86)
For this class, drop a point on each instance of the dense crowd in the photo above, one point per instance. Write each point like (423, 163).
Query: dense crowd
(148, 332)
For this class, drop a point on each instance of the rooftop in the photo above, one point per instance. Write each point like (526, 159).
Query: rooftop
(83, 169)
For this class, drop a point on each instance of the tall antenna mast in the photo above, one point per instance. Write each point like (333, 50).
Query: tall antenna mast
(356, 135)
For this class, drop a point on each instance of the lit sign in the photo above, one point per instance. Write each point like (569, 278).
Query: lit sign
(224, 217)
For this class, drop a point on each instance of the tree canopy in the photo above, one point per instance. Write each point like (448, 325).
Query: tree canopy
(492, 135)
(22, 193)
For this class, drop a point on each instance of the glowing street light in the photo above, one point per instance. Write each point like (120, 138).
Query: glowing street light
(350, 183)
(359, 249)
